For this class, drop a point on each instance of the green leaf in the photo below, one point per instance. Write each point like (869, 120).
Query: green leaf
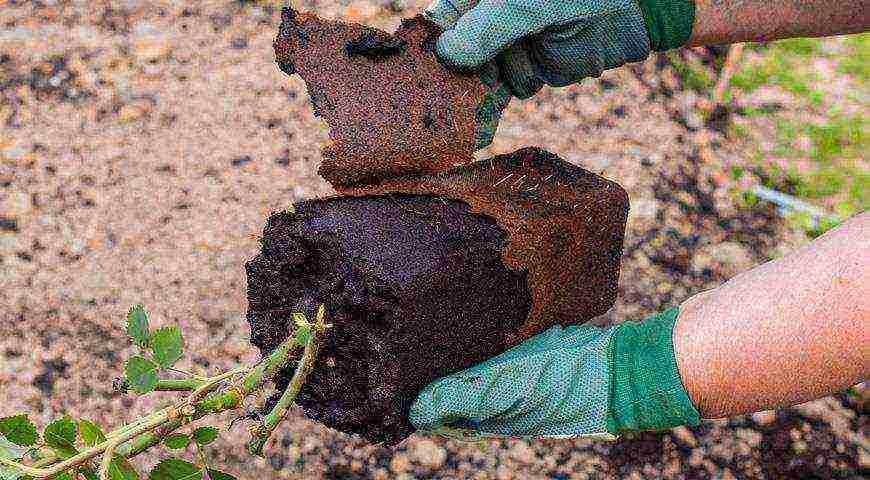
(141, 373)
(60, 435)
(19, 430)
(175, 469)
(89, 473)
(303, 334)
(167, 345)
(120, 469)
(218, 475)
(64, 476)
(177, 441)
(138, 328)
(91, 433)
(205, 435)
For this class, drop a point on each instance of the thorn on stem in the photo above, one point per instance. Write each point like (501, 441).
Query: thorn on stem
(257, 430)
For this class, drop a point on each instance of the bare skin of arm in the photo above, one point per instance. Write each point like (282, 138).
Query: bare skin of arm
(731, 21)
(789, 331)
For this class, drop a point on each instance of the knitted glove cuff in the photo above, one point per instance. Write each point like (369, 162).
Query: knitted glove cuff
(668, 22)
(646, 391)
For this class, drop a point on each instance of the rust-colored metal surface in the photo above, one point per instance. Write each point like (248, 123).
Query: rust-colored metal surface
(392, 108)
(565, 227)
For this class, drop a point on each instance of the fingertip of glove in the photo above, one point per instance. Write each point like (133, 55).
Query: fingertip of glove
(424, 411)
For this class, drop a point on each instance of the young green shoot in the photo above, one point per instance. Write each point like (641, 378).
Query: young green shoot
(69, 449)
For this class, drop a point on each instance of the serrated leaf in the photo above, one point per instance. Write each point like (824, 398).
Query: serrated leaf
(91, 433)
(167, 345)
(177, 441)
(303, 334)
(138, 328)
(19, 430)
(120, 469)
(60, 435)
(141, 374)
(218, 475)
(175, 469)
(205, 435)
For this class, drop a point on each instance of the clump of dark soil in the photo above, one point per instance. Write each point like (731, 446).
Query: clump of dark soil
(392, 107)
(414, 287)
(565, 226)
(433, 275)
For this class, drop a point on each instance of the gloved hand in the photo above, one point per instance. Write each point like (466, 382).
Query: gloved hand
(498, 95)
(566, 382)
(557, 42)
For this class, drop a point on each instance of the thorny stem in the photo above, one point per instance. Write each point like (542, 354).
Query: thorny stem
(218, 403)
(201, 455)
(262, 432)
(182, 385)
(87, 454)
(132, 439)
(51, 458)
(185, 372)
(107, 461)
(208, 385)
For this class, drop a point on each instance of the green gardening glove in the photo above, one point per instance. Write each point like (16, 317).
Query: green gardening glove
(557, 42)
(488, 112)
(579, 381)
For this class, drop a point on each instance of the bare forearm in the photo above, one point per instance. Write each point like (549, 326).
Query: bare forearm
(730, 21)
(791, 330)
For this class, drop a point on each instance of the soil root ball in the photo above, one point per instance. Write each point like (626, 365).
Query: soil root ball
(425, 276)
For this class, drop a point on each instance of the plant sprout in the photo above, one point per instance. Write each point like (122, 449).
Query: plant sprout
(70, 449)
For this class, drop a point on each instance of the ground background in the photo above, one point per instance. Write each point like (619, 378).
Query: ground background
(144, 143)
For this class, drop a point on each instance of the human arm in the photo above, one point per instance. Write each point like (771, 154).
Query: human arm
(548, 42)
(732, 21)
(790, 330)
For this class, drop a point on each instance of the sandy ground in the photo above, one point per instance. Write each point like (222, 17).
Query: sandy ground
(143, 145)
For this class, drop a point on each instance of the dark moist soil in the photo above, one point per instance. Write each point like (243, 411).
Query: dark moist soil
(425, 282)
(392, 108)
(414, 286)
